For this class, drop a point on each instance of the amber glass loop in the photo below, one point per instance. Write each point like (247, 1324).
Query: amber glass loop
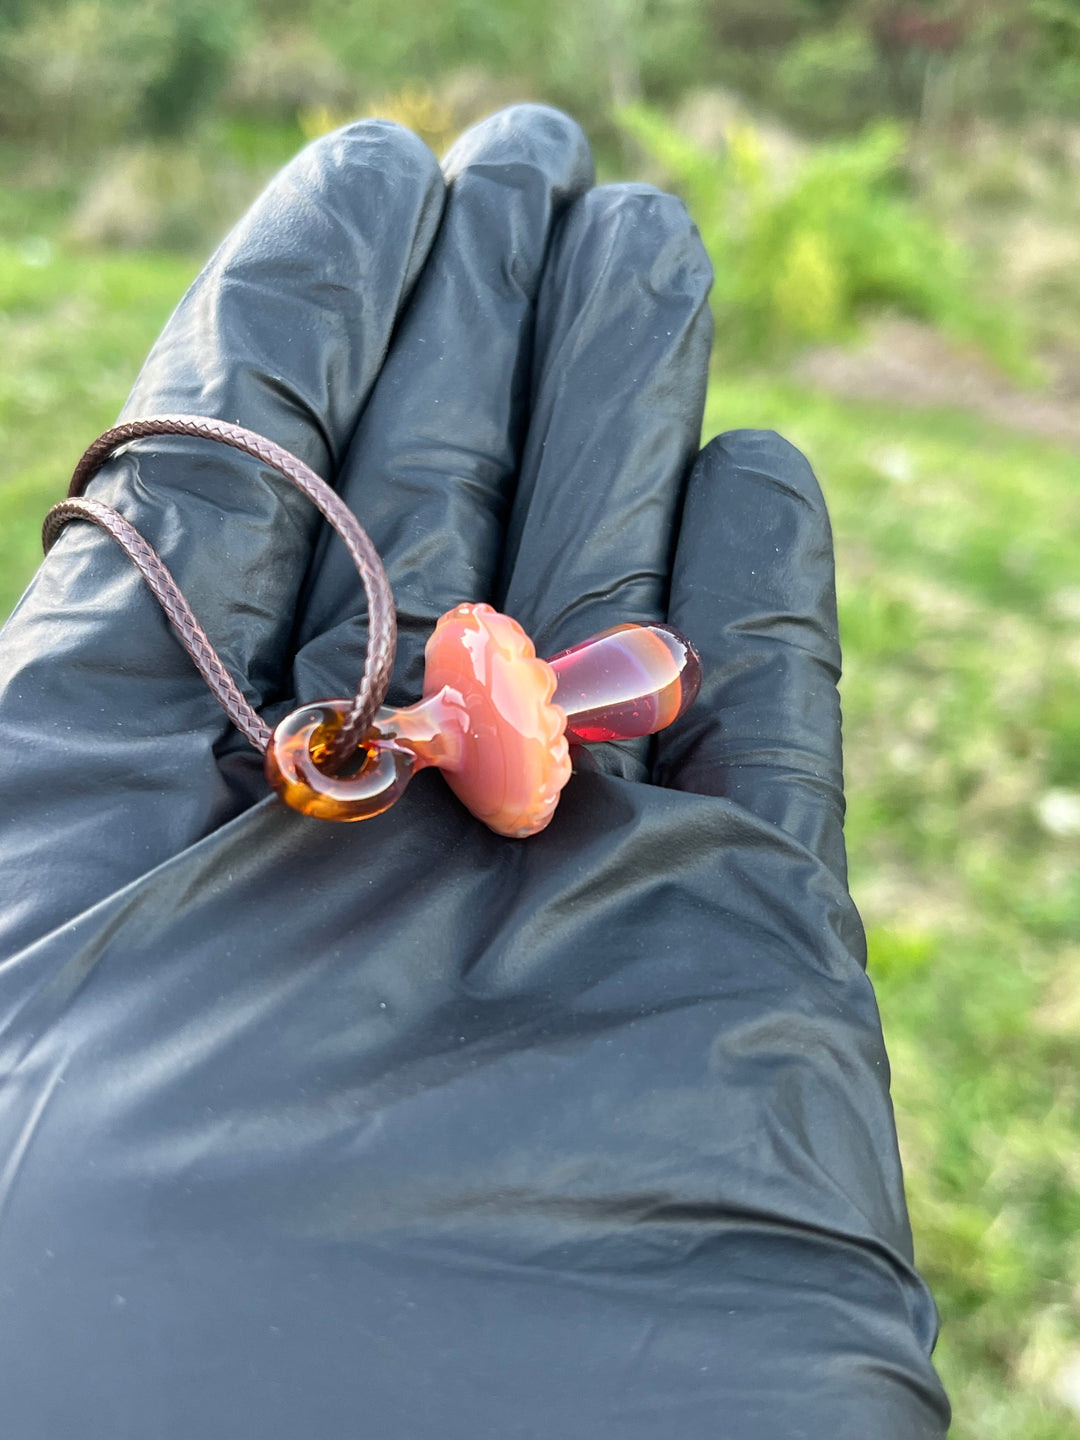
(366, 785)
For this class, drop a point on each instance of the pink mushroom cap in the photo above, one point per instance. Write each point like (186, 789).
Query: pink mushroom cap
(514, 758)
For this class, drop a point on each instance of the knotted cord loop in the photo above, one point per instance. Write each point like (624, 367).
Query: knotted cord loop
(382, 624)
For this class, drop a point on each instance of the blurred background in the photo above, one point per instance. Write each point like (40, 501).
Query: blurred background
(891, 197)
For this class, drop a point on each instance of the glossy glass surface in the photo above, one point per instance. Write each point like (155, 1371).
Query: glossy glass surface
(628, 681)
(495, 719)
(495, 695)
(366, 787)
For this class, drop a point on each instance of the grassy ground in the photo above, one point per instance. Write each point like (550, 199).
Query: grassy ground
(959, 573)
(73, 333)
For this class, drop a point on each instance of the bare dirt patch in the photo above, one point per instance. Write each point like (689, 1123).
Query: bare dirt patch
(907, 363)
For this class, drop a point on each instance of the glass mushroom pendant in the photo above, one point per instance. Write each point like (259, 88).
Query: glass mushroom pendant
(495, 719)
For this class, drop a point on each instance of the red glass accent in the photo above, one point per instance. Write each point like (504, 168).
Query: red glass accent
(628, 681)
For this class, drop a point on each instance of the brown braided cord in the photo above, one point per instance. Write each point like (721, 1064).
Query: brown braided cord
(156, 575)
(382, 624)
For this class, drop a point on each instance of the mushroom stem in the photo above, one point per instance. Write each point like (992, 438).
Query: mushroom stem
(433, 728)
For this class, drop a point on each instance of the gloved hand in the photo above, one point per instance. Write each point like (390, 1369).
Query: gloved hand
(400, 1129)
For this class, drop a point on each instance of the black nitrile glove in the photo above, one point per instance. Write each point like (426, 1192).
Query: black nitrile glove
(400, 1130)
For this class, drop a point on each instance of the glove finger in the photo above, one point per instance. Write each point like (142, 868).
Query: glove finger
(284, 331)
(623, 337)
(432, 466)
(754, 589)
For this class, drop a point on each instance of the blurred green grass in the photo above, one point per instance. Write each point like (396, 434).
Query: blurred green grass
(958, 551)
(73, 333)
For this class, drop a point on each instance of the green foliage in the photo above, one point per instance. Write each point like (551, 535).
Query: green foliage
(76, 74)
(80, 74)
(73, 332)
(1047, 77)
(13, 12)
(801, 260)
(830, 80)
(177, 195)
(203, 37)
(1058, 24)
